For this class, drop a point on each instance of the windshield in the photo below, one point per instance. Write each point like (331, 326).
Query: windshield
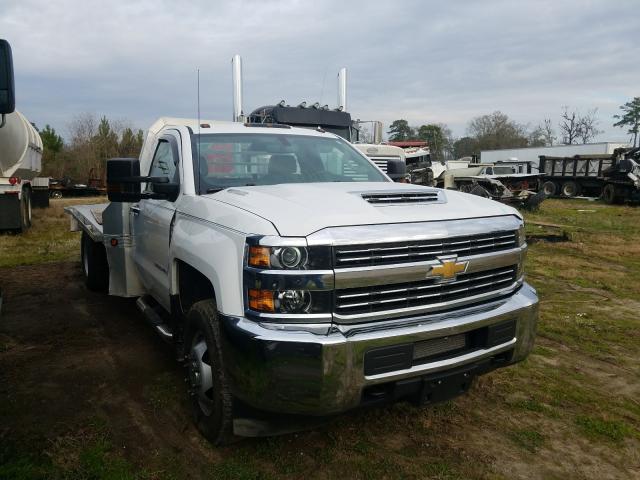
(503, 170)
(232, 160)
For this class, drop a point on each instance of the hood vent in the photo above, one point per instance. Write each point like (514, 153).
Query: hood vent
(404, 198)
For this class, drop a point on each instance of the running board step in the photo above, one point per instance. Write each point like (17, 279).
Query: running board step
(154, 318)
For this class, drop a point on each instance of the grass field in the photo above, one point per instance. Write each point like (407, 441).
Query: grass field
(572, 410)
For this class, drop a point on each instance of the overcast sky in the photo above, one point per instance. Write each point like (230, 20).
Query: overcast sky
(424, 61)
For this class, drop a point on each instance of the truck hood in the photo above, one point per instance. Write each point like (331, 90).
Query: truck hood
(298, 210)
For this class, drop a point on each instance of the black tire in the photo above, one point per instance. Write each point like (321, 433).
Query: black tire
(480, 192)
(55, 194)
(550, 188)
(609, 194)
(94, 264)
(25, 210)
(211, 401)
(570, 189)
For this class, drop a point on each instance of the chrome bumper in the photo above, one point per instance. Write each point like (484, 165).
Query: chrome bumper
(301, 369)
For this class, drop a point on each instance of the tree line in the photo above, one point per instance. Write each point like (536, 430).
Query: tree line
(497, 131)
(90, 143)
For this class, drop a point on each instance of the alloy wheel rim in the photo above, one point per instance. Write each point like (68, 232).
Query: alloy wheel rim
(201, 374)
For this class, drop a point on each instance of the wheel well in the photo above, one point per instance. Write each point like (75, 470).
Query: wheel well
(193, 286)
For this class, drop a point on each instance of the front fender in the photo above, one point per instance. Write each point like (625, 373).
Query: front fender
(216, 251)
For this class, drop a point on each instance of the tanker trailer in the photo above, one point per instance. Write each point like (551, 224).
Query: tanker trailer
(20, 163)
(20, 152)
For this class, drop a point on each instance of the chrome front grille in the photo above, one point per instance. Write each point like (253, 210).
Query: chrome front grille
(425, 293)
(381, 163)
(423, 250)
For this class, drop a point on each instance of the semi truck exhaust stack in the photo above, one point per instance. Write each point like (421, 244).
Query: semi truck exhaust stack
(342, 89)
(377, 132)
(236, 68)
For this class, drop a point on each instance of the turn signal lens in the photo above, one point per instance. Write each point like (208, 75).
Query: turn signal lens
(261, 300)
(259, 257)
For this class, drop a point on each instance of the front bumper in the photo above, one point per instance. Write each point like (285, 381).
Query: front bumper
(302, 369)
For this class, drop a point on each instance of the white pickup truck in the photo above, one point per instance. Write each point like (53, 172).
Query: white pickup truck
(294, 278)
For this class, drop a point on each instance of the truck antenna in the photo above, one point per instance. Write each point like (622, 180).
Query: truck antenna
(197, 175)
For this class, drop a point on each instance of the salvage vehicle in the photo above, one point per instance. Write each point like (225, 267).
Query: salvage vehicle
(615, 178)
(391, 160)
(296, 280)
(501, 182)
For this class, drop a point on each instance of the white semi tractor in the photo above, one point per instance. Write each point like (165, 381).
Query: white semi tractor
(20, 154)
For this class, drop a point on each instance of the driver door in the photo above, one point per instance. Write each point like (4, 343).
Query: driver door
(153, 221)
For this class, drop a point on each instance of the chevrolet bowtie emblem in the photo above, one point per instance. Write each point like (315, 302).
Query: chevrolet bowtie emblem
(448, 268)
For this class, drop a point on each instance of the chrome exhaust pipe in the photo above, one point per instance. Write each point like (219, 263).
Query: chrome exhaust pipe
(342, 90)
(377, 132)
(236, 70)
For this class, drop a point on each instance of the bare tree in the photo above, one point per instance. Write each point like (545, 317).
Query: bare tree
(575, 127)
(548, 133)
(497, 130)
(569, 126)
(587, 127)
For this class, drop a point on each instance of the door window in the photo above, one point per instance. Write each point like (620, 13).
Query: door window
(164, 163)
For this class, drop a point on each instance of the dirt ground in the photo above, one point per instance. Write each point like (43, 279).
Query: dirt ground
(88, 390)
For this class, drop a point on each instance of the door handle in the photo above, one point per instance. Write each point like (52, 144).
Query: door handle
(135, 209)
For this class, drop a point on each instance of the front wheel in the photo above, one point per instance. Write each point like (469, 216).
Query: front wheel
(550, 188)
(211, 399)
(609, 194)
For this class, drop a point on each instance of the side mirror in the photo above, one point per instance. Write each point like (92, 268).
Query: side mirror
(123, 184)
(396, 169)
(7, 88)
(169, 191)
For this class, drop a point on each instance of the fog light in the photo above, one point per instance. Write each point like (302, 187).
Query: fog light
(294, 301)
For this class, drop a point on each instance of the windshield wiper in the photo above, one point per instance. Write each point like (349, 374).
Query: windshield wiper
(220, 188)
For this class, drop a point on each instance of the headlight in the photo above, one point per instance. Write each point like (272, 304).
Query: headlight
(277, 257)
(289, 301)
(287, 255)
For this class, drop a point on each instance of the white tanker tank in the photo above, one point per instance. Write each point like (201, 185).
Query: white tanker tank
(20, 163)
(20, 149)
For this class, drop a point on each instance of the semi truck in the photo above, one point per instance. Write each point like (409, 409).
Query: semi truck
(615, 178)
(20, 155)
(295, 280)
(391, 160)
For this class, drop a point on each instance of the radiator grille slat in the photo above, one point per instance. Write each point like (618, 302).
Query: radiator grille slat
(427, 292)
(418, 251)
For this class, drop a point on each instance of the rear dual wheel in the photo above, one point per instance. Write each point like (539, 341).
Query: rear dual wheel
(94, 264)
(570, 189)
(25, 210)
